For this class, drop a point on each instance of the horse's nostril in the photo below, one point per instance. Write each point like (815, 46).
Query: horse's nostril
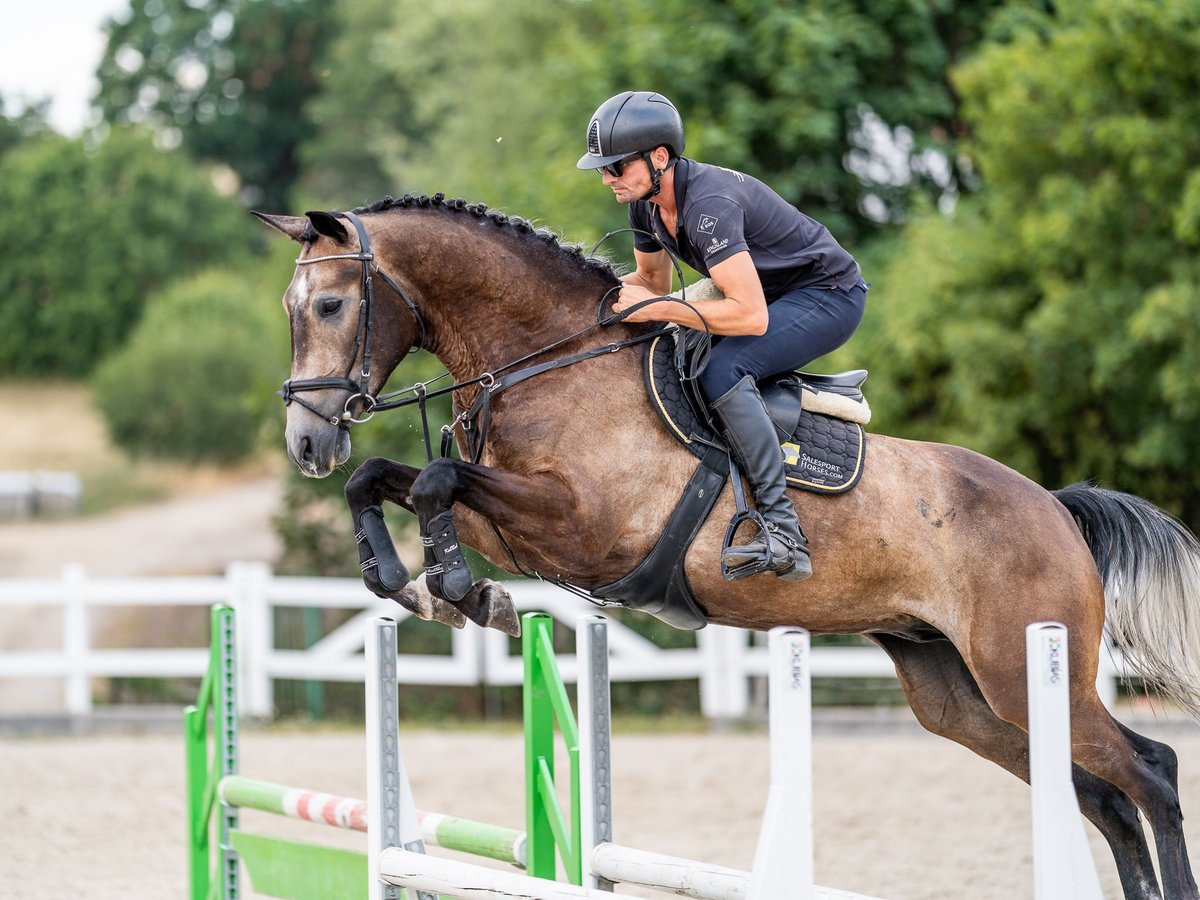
(306, 453)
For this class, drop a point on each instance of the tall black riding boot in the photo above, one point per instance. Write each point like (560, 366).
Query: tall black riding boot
(752, 437)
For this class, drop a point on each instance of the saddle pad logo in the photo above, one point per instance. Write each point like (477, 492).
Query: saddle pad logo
(707, 224)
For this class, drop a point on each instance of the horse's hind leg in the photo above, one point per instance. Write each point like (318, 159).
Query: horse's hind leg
(1163, 761)
(1144, 770)
(947, 701)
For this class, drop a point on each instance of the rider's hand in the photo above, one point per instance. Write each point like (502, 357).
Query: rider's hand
(631, 294)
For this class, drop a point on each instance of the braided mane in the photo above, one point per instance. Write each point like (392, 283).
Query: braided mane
(570, 252)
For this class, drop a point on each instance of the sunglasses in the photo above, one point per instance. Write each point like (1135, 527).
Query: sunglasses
(616, 169)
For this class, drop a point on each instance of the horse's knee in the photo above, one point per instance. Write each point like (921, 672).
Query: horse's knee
(434, 489)
(362, 487)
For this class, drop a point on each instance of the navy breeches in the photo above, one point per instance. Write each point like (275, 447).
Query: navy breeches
(804, 324)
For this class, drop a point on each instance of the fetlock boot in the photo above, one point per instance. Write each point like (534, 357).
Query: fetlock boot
(752, 438)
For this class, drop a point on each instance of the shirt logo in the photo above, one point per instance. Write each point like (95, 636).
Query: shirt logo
(707, 224)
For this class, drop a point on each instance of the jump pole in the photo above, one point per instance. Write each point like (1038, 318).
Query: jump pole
(437, 830)
(784, 824)
(1063, 864)
(404, 863)
(783, 862)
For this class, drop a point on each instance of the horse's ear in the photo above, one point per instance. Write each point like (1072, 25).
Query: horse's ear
(329, 225)
(292, 226)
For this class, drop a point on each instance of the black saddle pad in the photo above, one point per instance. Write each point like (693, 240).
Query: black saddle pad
(822, 454)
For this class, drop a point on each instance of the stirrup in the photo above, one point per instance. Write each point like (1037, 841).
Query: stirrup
(755, 565)
(762, 560)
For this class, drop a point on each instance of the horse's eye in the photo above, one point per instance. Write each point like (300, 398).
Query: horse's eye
(328, 306)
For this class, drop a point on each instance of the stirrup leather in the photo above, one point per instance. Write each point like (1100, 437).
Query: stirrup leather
(758, 559)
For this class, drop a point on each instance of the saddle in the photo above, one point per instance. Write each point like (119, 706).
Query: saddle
(819, 420)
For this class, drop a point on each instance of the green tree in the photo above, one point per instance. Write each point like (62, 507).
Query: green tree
(364, 113)
(227, 78)
(89, 234)
(25, 125)
(1053, 321)
(843, 105)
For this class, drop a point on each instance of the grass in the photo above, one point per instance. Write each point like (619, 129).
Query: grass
(54, 427)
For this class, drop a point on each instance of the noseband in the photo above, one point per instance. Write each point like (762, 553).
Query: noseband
(360, 390)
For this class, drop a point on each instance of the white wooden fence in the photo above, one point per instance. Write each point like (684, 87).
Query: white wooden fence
(723, 662)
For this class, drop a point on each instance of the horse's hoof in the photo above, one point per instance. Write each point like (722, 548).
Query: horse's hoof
(417, 599)
(447, 614)
(495, 608)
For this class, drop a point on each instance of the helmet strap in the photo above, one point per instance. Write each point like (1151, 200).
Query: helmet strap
(656, 174)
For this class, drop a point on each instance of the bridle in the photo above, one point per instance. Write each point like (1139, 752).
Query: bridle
(361, 389)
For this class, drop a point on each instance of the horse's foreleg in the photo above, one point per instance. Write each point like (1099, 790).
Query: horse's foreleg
(502, 498)
(947, 701)
(384, 574)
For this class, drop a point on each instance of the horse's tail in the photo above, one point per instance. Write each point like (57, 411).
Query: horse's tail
(1149, 564)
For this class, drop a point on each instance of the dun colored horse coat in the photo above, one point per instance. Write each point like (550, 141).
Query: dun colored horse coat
(941, 556)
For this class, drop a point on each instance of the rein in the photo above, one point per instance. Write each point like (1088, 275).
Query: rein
(503, 378)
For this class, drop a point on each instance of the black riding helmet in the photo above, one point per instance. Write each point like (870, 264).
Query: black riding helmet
(632, 122)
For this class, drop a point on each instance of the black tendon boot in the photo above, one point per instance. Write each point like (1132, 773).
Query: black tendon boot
(752, 438)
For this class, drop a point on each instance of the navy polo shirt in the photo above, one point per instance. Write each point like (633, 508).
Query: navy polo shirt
(721, 212)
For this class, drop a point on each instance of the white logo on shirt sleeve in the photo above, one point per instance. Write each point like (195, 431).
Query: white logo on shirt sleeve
(707, 224)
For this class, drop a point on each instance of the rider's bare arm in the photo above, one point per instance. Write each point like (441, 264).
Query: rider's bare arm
(743, 311)
(653, 272)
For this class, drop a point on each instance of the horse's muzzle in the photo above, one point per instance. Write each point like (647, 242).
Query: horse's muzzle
(317, 449)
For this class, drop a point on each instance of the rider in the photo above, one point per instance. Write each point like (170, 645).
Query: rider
(792, 293)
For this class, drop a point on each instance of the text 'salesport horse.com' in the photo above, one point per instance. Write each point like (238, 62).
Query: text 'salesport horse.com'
(939, 555)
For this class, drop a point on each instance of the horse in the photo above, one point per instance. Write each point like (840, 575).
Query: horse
(939, 555)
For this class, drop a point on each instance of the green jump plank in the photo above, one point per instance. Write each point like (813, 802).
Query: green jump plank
(297, 871)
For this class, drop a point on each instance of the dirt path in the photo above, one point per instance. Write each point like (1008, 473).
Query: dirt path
(903, 816)
(190, 535)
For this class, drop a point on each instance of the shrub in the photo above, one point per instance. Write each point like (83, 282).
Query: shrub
(195, 381)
